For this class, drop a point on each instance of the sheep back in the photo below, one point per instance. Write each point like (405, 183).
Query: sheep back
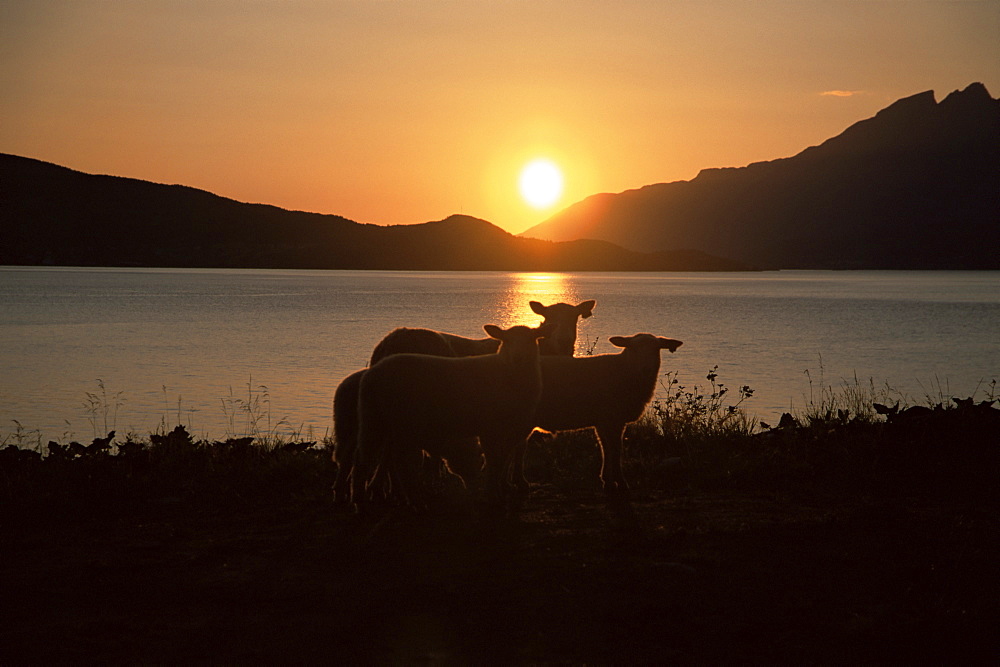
(420, 341)
(461, 346)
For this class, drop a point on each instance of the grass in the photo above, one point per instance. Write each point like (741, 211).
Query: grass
(102, 409)
(838, 535)
(258, 460)
(692, 437)
(701, 438)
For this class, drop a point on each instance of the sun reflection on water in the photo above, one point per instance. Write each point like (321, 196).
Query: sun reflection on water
(511, 306)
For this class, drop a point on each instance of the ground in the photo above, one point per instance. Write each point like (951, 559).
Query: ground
(688, 577)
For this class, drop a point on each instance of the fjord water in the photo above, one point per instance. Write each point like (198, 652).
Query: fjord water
(186, 345)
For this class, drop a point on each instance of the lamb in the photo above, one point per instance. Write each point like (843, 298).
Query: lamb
(605, 392)
(406, 401)
(561, 339)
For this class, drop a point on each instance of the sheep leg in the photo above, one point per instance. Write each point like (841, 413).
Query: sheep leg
(379, 487)
(369, 458)
(405, 473)
(345, 428)
(342, 485)
(493, 467)
(497, 451)
(610, 441)
(462, 457)
(358, 496)
(517, 477)
(347, 445)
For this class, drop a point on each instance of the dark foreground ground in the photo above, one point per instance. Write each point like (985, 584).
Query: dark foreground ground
(687, 577)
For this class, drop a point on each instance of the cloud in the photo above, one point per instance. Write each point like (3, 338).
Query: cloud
(842, 93)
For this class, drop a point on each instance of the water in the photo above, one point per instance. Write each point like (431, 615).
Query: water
(186, 346)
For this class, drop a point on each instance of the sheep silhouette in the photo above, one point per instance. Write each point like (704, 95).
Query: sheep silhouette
(562, 319)
(407, 401)
(604, 392)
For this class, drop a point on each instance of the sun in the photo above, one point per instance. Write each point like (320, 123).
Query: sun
(541, 183)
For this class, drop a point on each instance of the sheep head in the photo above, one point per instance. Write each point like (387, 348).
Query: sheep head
(518, 344)
(562, 340)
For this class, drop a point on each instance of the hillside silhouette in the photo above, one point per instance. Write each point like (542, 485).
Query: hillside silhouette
(915, 187)
(51, 215)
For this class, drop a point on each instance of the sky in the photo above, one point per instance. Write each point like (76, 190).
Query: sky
(395, 112)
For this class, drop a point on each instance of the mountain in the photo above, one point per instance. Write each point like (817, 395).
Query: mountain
(53, 215)
(915, 187)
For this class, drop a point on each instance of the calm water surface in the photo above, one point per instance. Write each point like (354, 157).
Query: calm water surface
(175, 345)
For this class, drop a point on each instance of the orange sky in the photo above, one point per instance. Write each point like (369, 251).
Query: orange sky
(407, 111)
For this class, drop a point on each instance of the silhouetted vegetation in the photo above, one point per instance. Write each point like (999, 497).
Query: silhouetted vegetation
(165, 468)
(696, 440)
(693, 439)
(857, 530)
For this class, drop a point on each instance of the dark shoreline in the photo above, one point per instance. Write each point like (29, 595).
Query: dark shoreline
(838, 541)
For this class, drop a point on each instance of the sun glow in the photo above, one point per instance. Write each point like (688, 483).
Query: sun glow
(549, 288)
(541, 183)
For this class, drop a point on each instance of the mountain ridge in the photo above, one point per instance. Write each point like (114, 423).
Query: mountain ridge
(54, 215)
(915, 186)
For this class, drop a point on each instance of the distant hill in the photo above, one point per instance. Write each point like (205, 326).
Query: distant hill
(915, 187)
(57, 216)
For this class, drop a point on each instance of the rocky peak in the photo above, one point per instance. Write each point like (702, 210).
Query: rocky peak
(975, 94)
(972, 115)
(908, 108)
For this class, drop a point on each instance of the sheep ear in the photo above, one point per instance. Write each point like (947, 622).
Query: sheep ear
(586, 308)
(670, 344)
(493, 331)
(536, 307)
(619, 341)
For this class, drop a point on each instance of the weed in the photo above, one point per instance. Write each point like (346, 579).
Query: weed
(684, 413)
(100, 408)
(589, 346)
(251, 416)
(23, 438)
(853, 399)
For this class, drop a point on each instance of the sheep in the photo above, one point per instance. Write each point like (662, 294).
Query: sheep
(562, 318)
(605, 392)
(407, 401)
(463, 461)
(425, 341)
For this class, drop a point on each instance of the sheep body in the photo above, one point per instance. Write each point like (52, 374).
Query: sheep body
(406, 402)
(605, 392)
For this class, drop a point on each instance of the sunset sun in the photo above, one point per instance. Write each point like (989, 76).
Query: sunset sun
(541, 183)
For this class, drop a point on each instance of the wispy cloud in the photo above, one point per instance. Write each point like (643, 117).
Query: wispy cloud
(842, 93)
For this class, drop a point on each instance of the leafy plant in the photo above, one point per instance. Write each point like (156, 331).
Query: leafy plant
(683, 413)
